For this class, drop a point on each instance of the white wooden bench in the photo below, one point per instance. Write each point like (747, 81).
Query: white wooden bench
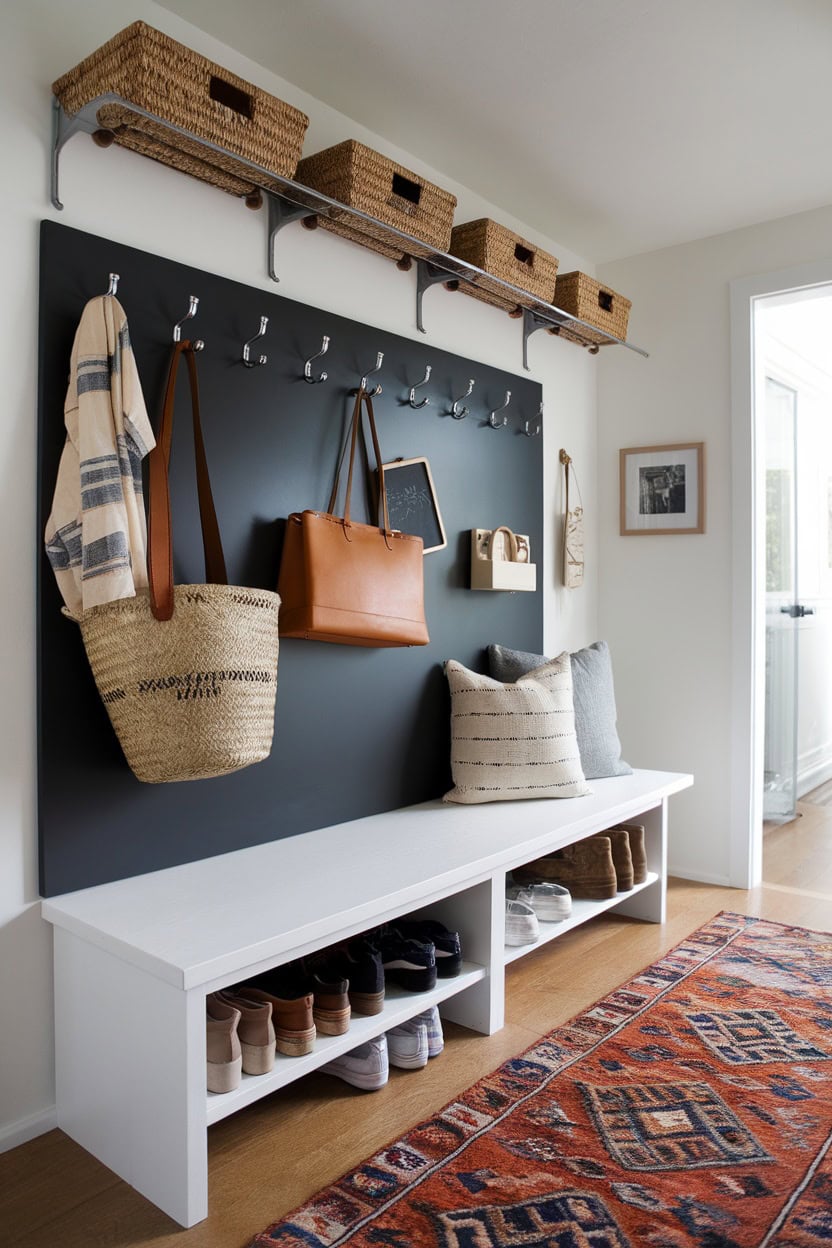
(135, 959)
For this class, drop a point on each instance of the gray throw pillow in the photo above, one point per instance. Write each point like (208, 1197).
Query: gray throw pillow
(594, 699)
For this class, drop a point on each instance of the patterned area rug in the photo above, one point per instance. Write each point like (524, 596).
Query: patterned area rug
(692, 1106)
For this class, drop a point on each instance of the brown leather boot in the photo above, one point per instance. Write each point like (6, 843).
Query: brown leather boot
(222, 1044)
(621, 858)
(585, 868)
(294, 1027)
(638, 850)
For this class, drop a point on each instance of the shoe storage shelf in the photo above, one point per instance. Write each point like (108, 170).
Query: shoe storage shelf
(289, 201)
(135, 959)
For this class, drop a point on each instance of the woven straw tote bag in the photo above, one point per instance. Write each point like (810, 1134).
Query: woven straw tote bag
(188, 673)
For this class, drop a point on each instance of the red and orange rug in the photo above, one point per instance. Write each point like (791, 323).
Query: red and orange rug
(692, 1106)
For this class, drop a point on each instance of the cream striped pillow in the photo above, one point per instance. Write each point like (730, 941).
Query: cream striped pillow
(516, 740)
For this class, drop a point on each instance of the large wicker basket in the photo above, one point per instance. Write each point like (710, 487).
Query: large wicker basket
(149, 69)
(584, 297)
(363, 179)
(507, 256)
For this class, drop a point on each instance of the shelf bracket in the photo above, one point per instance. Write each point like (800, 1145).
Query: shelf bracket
(282, 212)
(428, 275)
(532, 322)
(63, 128)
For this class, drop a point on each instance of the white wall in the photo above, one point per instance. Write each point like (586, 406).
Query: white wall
(135, 201)
(665, 603)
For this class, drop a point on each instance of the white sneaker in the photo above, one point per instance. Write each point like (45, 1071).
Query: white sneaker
(365, 1067)
(551, 902)
(407, 1045)
(521, 923)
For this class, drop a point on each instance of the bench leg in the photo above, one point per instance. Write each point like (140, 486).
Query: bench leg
(477, 913)
(130, 1074)
(651, 903)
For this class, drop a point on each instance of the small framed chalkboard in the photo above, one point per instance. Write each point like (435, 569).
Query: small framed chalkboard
(412, 502)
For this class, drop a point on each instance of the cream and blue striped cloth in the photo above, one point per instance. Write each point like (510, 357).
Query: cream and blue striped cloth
(96, 534)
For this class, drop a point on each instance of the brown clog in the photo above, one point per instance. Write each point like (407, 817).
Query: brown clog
(585, 868)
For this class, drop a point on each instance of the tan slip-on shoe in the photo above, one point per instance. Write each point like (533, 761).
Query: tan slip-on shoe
(222, 1045)
(256, 1032)
(585, 868)
(638, 850)
(294, 1026)
(622, 859)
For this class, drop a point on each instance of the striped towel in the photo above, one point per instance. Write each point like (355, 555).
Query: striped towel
(96, 535)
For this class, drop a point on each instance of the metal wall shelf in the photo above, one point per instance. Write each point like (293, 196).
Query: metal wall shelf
(288, 202)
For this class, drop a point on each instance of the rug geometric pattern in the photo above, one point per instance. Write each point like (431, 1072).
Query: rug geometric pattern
(691, 1106)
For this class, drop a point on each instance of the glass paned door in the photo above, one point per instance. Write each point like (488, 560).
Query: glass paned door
(782, 634)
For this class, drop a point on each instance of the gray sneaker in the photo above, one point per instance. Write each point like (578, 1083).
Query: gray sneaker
(366, 1067)
(407, 1045)
(433, 1023)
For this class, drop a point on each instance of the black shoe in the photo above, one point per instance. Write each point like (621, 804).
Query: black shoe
(360, 963)
(446, 943)
(409, 963)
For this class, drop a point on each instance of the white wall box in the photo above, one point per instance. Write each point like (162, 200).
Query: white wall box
(152, 947)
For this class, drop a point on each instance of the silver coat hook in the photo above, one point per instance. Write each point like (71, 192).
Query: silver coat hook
(193, 304)
(112, 289)
(499, 424)
(307, 368)
(534, 433)
(247, 360)
(413, 389)
(377, 390)
(459, 413)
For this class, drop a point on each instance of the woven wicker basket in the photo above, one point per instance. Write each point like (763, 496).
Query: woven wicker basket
(192, 697)
(582, 296)
(153, 71)
(363, 179)
(507, 256)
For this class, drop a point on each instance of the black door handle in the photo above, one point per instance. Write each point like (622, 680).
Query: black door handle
(796, 610)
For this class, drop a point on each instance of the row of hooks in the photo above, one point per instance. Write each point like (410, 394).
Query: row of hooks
(458, 412)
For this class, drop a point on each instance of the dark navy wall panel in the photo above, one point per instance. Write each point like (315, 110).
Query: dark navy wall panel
(358, 731)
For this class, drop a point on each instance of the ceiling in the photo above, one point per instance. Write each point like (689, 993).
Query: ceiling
(612, 126)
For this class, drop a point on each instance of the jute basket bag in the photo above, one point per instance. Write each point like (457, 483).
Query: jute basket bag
(507, 256)
(364, 179)
(188, 673)
(584, 297)
(153, 71)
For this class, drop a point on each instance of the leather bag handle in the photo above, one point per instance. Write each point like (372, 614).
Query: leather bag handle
(159, 532)
(361, 399)
(512, 543)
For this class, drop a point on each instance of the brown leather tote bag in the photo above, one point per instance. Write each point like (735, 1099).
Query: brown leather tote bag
(353, 584)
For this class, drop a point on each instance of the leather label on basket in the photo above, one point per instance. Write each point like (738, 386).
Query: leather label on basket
(232, 97)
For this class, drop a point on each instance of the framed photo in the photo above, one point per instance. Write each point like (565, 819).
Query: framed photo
(663, 489)
(412, 503)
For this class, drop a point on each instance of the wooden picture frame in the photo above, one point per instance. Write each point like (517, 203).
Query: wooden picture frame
(412, 502)
(662, 489)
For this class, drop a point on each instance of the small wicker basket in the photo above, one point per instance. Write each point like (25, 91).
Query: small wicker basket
(363, 179)
(507, 256)
(584, 297)
(149, 69)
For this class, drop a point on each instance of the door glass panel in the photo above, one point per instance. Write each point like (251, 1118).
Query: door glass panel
(780, 787)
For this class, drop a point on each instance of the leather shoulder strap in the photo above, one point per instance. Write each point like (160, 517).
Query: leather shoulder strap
(159, 534)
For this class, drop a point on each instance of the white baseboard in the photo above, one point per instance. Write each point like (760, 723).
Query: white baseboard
(14, 1133)
(812, 777)
(699, 877)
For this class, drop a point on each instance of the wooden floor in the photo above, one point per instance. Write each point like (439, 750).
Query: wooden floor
(268, 1158)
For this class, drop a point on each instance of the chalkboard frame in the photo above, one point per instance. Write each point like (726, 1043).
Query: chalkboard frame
(435, 527)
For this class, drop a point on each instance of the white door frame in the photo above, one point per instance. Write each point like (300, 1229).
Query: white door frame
(748, 579)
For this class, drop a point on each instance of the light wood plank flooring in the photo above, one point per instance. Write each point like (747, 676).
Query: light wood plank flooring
(280, 1151)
